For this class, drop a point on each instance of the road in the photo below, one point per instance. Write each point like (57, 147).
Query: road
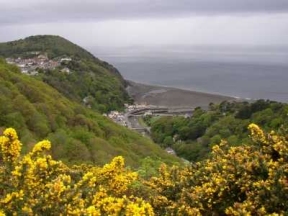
(132, 117)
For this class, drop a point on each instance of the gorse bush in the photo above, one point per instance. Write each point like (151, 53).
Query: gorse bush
(37, 184)
(242, 180)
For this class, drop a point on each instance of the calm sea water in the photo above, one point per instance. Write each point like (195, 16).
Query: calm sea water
(243, 72)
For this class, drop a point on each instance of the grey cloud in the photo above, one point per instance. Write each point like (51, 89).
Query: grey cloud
(33, 11)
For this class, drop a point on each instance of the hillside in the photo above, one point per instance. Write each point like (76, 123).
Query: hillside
(87, 77)
(193, 137)
(79, 134)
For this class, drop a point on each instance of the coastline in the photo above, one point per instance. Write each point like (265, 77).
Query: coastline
(173, 97)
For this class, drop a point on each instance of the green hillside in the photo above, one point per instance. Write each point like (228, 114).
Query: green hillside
(38, 111)
(192, 138)
(89, 77)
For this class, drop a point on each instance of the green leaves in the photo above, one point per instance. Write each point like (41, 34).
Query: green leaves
(193, 137)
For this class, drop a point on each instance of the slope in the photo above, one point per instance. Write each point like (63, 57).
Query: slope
(38, 111)
(87, 77)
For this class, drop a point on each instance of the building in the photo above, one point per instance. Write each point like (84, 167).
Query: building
(170, 151)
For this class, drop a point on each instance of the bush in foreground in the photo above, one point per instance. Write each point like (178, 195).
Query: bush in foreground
(244, 180)
(37, 184)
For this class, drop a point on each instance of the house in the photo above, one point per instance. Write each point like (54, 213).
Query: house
(148, 113)
(10, 60)
(43, 57)
(24, 70)
(33, 73)
(65, 70)
(170, 151)
(65, 59)
(35, 52)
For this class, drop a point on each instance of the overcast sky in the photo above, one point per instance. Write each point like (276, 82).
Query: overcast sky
(148, 22)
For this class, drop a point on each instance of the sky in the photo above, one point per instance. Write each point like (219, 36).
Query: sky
(124, 23)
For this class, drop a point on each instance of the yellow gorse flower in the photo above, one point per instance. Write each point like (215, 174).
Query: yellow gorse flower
(36, 184)
(10, 145)
(243, 180)
(41, 146)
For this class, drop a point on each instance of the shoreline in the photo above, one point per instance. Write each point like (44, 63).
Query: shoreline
(173, 97)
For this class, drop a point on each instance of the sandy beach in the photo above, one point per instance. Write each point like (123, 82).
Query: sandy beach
(172, 97)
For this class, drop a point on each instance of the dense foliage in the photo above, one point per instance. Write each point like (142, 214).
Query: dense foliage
(90, 78)
(89, 82)
(193, 137)
(244, 180)
(79, 134)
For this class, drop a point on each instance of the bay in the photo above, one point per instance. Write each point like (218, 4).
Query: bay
(250, 72)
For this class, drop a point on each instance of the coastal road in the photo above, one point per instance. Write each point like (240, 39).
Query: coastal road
(132, 117)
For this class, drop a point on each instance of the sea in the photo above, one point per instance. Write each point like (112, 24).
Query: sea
(249, 72)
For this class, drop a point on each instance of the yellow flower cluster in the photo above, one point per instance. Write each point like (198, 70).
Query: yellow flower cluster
(257, 134)
(35, 184)
(244, 180)
(10, 145)
(41, 146)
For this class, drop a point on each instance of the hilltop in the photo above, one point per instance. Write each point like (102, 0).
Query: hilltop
(88, 76)
(52, 45)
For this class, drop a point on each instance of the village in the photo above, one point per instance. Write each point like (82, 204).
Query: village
(133, 113)
(122, 117)
(142, 110)
(129, 118)
(30, 66)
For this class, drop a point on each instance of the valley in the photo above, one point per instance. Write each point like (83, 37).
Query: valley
(111, 146)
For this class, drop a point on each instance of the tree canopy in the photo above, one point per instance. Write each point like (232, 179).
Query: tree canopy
(192, 138)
